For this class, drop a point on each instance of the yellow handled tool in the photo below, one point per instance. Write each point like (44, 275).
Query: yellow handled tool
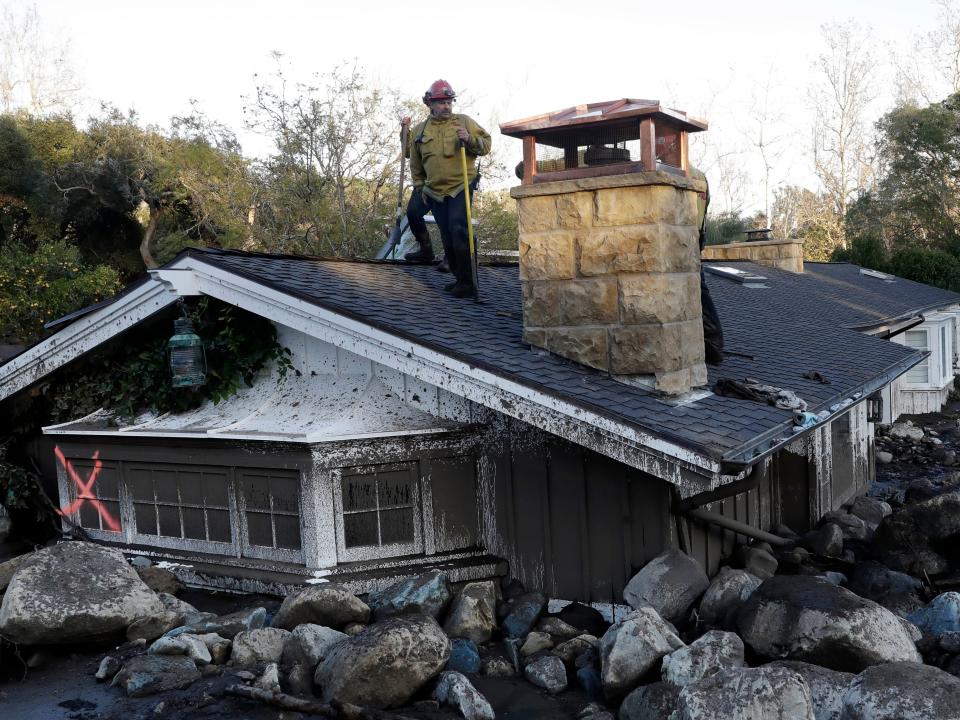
(473, 247)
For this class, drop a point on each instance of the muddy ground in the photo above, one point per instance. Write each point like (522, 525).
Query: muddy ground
(59, 684)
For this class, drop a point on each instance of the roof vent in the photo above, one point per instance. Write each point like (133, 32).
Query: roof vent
(744, 277)
(877, 274)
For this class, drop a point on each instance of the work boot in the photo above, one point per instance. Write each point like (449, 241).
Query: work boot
(463, 290)
(424, 254)
(450, 286)
(443, 266)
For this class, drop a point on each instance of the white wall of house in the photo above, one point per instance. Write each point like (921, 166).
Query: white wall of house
(925, 387)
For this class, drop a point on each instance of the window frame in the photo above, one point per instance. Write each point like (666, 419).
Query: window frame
(939, 341)
(247, 549)
(374, 552)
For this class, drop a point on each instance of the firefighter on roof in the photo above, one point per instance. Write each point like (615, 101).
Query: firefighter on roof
(436, 171)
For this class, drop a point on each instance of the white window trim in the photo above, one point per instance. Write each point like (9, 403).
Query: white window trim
(376, 552)
(939, 376)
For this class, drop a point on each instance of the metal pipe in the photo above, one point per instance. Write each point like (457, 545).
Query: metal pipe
(736, 526)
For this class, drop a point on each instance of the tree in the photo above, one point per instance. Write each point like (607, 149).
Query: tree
(840, 99)
(930, 68)
(766, 132)
(916, 201)
(327, 187)
(35, 73)
(803, 214)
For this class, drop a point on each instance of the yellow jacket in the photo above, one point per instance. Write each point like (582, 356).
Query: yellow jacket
(435, 154)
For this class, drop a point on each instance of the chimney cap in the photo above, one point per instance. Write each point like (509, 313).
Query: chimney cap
(602, 112)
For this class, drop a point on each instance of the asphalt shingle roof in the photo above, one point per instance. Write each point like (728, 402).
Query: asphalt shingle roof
(777, 334)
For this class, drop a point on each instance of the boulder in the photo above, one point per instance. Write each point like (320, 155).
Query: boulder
(631, 647)
(870, 510)
(498, 666)
(800, 617)
(827, 687)
(9, 568)
(649, 702)
(762, 693)
(269, 679)
(896, 591)
(455, 690)
(176, 605)
(523, 614)
(827, 540)
(300, 680)
(385, 664)
(190, 645)
(227, 626)
(940, 616)
(884, 457)
(160, 580)
(534, 643)
(557, 628)
(144, 675)
(704, 656)
(219, 647)
(670, 583)
(906, 431)
(912, 538)
(258, 647)
(569, 650)
(902, 691)
(109, 666)
(473, 613)
(72, 593)
(464, 656)
(949, 642)
(326, 604)
(426, 594)
(307, 645)
(547, 672)
(727, 592)
(758, 560)
(152, 627)
(851, 526)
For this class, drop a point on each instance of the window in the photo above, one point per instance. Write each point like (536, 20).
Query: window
(378, 512)
(270, 508)
(187, 503)
(97, 504)
(919, 374)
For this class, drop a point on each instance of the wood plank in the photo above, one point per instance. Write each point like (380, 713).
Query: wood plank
(685, 152)
(453, 483)
(568, 522)
(608, 519)
(529, 159)
(597, 171)
(531, 508)
(648, 145)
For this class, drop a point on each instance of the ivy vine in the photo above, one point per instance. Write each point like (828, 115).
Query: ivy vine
(134, 376)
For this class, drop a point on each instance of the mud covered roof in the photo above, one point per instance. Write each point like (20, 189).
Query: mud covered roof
(790, 326)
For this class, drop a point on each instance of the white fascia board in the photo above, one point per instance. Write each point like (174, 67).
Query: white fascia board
(314, 439)
(83, 335)
(689, 470)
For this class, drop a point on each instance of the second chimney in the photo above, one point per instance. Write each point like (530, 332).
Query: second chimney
(609, 241)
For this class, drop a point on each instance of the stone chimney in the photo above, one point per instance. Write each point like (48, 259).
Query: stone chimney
(610, 260)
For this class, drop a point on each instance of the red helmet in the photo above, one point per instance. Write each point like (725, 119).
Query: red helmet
(439, 90)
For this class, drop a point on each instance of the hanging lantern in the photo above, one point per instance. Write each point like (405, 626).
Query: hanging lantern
(188, 363)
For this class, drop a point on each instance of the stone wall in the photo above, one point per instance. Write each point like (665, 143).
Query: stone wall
(610, 273)
(783, 254)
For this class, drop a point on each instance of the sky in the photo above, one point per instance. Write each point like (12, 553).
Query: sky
(507, 60)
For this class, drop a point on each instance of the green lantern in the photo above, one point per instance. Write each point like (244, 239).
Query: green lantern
(188, 363)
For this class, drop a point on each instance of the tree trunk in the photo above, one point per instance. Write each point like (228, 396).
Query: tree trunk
(148, 233)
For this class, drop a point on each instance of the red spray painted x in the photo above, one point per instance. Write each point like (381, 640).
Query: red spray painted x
(85, 490)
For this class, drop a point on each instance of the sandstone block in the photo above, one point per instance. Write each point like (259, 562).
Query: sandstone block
(541, 303)
(677, 382)
(662, 297)
(535, 336)
(575, 210)
(609, 251)
(536, 214)
(547, 256)
(588, 345)
(589, 302)
(679, 248)
(636, 205)
(690, 334)
(645, 349)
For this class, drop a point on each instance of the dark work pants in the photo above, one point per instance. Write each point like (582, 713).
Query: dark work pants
(451, 217)
(712, 332)
(416, 209)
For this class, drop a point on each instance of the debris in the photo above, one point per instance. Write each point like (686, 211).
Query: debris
(816, 377)
(749, 389)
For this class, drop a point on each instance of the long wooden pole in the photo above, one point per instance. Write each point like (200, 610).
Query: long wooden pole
(473, 248)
